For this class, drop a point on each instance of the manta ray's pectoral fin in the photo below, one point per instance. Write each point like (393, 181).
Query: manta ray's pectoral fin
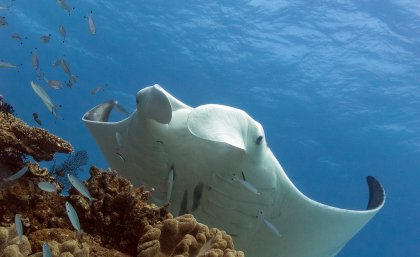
(322, 229)
(219, 124)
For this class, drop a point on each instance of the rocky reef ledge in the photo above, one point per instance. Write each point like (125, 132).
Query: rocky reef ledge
(119, 222)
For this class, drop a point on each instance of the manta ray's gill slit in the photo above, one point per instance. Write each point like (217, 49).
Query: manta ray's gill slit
(184, 204)
(197, 193)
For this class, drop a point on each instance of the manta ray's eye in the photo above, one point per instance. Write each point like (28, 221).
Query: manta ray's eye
(259, 140)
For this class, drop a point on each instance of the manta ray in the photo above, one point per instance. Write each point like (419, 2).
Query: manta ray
(213, 161)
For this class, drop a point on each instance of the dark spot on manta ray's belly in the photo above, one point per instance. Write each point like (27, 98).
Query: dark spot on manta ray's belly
(198, 191)
(183, 210)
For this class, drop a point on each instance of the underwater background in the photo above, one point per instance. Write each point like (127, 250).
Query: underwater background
(335, 85)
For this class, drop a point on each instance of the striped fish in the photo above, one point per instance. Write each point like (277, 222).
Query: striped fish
(62, 32)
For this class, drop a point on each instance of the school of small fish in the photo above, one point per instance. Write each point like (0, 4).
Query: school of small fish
(42, 94)
(46, 38)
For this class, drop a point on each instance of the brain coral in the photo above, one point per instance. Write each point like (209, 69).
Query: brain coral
(184, 237)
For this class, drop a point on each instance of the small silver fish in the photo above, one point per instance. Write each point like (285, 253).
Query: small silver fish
(74, 219)
(246, 184)
(91, 23)
(53, 83)
(269, 224)
(80, 187)
(98, 89)
(17, 175)
(65, 67)
(17, 37)
(45, 39)
(47, 186)
(3, 21)
(63, 64)
(4, 8)
(62, 32)
(45, 99)
(19, 227)
(35, 60)
(6, 65)
(63, 4)
(46, 251)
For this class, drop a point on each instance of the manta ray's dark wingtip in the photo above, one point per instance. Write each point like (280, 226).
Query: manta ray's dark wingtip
(376, 193)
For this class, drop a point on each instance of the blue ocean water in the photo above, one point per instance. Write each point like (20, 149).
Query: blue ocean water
(334, 83)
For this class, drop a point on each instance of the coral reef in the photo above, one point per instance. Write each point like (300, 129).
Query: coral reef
(17, 140)
(183, 237)
(6, 108)
(119, 222)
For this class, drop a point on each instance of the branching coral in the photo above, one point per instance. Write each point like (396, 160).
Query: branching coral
(18, 140)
